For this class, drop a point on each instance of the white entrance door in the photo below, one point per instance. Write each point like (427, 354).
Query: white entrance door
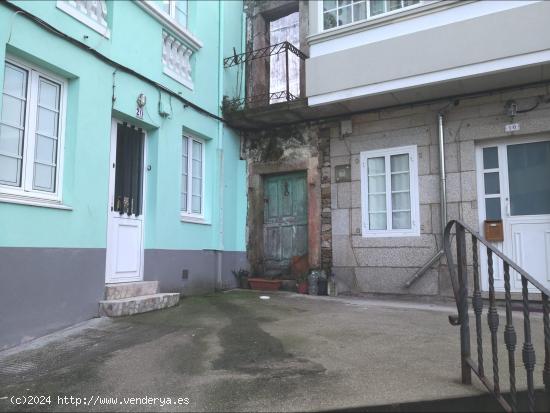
(514, 185)
(125, 213)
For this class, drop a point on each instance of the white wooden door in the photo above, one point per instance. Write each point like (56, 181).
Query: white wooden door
(125, 212)
(514, 185)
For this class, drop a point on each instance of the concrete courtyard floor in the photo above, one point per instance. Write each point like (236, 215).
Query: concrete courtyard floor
(233, 351)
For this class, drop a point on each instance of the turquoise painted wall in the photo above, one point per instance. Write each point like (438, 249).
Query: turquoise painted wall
(135, 41)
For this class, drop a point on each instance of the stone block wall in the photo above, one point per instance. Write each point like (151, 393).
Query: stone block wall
(383, 265)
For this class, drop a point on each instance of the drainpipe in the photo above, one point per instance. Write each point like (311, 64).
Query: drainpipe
(220, 148)
(443, 198)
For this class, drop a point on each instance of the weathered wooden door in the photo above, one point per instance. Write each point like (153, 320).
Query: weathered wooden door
(285, 220)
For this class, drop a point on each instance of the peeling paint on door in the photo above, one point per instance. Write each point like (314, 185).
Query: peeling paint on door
(285, 221)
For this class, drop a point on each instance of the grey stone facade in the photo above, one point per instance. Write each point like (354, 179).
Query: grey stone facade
(383, 265)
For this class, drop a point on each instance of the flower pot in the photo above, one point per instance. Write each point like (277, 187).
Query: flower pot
(264, 285)
(302, 287)
(243, 282)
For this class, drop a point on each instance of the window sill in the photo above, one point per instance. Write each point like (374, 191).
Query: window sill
(193, 219)
(180, 31)
(32, 201)
(390, 234)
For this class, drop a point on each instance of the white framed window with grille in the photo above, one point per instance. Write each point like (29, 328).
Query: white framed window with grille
(31, 132)
(389, 192)
(192, 177)
(336, 13)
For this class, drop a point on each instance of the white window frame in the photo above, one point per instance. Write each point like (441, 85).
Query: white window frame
(171, 15)
(82, 18)
(368, 18)
(25, 193)
(187, 215)
(412, 151)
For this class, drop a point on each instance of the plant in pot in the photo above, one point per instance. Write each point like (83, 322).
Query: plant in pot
(301, 283)
(265, 284)
(242, 277)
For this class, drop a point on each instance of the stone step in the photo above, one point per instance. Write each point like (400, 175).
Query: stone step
(132, 289)
(136, 305)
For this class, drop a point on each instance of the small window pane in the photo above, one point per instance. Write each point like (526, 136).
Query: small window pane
(394, 5)
(11, 140)
(342, 3)
(197, 150)
(329, 4)
(47, 122)
(15, 81)
(46, 149)
(344, 15)
(400, 163)
(48, 95)
(184, 202)
(329, 19)
(401, 201)
(377, 221)
(196, 204)
(377, 7)
(13, 111)
(181, 12)
(400, 182)
(44, 177)
(401, 220)
(359, 11)
(492, 185)
(197, 169)
(377, 203)
(492, 208)
(377, 184)
(490, 158)
(376, 166)
(10, 171)
(163, 5)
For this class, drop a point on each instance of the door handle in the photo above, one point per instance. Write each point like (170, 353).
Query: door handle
(507, 207)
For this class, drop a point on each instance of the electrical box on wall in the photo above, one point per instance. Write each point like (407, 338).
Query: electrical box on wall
(346, 127)
(342, 173)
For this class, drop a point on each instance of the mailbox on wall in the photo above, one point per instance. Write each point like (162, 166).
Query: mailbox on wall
(494, 230)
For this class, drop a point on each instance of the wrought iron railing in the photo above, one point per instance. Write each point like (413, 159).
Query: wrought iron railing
(266, 98)
(459, 279)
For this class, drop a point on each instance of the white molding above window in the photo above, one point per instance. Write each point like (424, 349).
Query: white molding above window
(185, 35)
(388, 192)
(93, 13)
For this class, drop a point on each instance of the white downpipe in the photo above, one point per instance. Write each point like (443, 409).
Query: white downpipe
(443, 201)
(442, 172)
(220, 147)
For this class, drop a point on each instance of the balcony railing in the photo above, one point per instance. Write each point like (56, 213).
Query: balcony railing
(263, 87)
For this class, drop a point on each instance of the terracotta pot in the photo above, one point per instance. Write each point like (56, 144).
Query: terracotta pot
(264, 285)
(302, 288)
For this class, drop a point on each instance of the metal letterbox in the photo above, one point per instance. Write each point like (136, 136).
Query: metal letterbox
(494, 230)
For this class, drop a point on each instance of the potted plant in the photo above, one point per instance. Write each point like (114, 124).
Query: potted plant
(242, 277)
(265, 284)
(301, 284)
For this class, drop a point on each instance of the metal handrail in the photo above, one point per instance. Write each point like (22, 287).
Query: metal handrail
(459, 280)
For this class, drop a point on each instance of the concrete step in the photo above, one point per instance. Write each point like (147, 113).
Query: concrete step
(133, 289)
(136, 305)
